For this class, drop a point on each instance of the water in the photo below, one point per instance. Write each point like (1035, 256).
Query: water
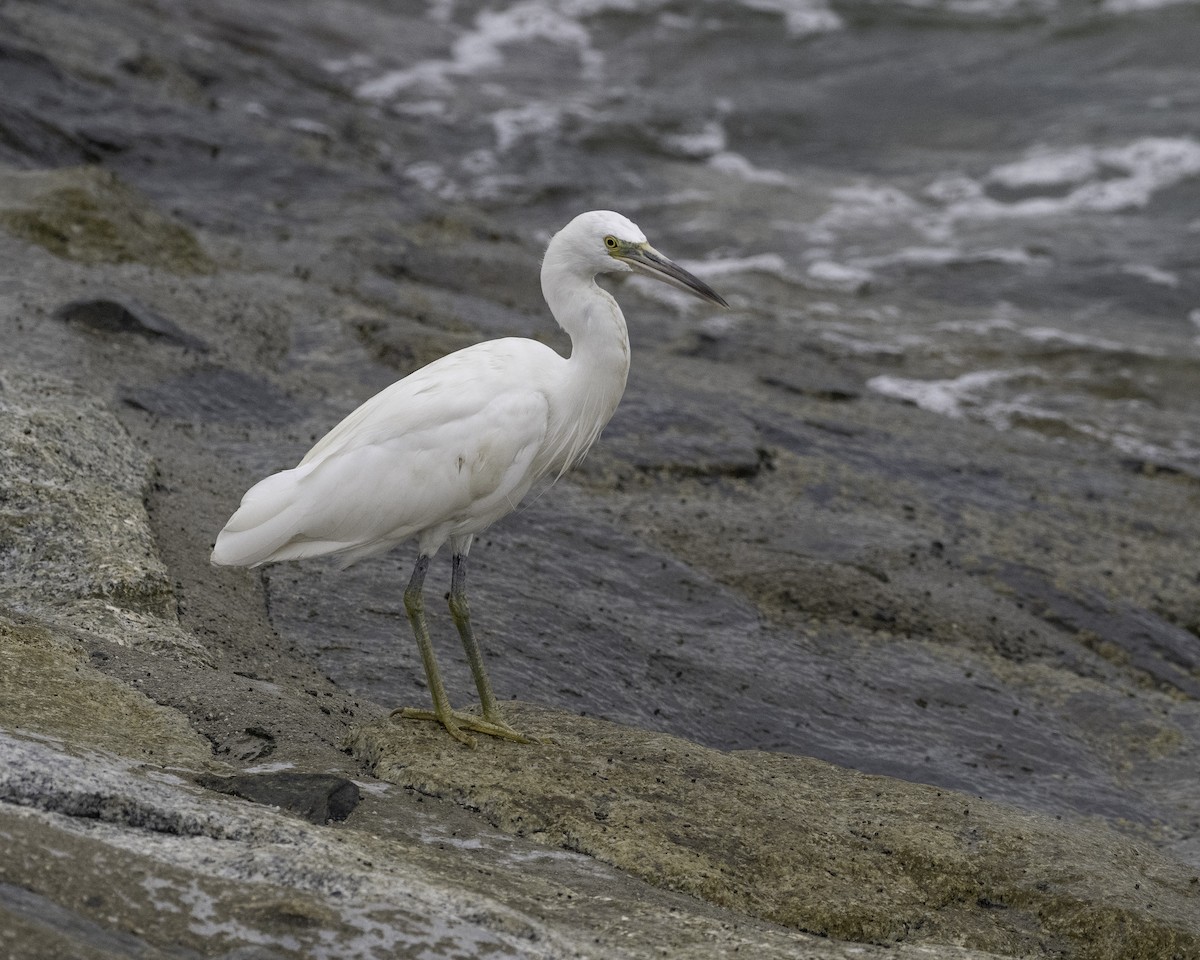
(987, 208)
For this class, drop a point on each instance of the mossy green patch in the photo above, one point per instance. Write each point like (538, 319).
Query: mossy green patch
(808, 844)
(88, 215)
(48, 686)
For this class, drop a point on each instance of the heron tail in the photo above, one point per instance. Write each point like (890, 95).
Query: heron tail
(263, 525)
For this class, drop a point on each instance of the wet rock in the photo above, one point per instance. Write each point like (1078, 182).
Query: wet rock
(88, 215)
(81, 575)
(317, 797)
(572, 608)
(76, 547)
(50, 686)
(688, 433)
(824, 849)
(103, 856)
(407, 347)
(1167, 655)
(822, 385)
(245, 745)
(126, 316)
(25, 137)
(843, 596)
(215, 394)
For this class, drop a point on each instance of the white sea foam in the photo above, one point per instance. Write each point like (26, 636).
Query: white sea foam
(1094, 179)
(531, 120)
(478, 162)
(848, 341)
(1138, 6)
(1052, 335)
(840, 276)
(1046, 183)
(977, 327)
(769, 263)
(314, 127)
(951, 397)
(983, 9)
(735, 165)
(949, 256)
(864, 205)
(1006, 9)
(1152, 274)
(482, 47)
(1131, 441)
(682, 197)
(1024, 411)
(710, 139)
(431, 177)
(525, 22)
(1048, 168)
(356, 61)
(801, 17)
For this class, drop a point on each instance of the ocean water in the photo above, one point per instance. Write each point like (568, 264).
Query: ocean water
(987, 208)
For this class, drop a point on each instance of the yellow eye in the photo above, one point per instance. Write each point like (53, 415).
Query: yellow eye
(611, 243)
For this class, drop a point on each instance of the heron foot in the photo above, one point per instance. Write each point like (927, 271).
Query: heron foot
(457, 723)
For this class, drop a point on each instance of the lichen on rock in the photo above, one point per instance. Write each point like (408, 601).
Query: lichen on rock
(808, 844)
(87, 214)
(76, 547)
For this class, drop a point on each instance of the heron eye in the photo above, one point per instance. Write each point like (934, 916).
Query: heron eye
(610, 242)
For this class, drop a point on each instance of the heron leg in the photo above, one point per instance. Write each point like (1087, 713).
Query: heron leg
(414, 604)
(461, 613)
(454, 722)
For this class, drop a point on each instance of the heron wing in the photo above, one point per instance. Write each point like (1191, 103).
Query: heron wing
(451, 388)
(449, 448)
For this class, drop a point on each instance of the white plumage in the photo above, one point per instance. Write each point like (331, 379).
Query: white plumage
(445, 452)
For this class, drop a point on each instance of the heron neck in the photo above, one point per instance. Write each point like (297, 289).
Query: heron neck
(588, 313)
(598, 366)
(595, 324)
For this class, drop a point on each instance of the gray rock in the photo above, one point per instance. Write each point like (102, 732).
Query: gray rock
(104, 858)
(810, 845)
(125, 316)
(89, 215)
(971, 634)
(76, 548)
(317, 797)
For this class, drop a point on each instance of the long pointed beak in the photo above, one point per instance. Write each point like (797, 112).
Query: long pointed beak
(649, 262)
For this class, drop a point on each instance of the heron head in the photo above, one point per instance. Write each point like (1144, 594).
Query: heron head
(607, 242)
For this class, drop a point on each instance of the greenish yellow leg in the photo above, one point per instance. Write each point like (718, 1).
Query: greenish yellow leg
(414, 604)
(456, 723)
(461, 613)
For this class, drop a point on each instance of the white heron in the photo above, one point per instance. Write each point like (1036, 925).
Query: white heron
(450, 449)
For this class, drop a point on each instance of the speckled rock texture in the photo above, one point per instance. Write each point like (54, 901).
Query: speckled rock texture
(810, 845)
(818, 675)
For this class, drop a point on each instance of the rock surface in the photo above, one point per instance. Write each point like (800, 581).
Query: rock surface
(972, 656)
(809, 845)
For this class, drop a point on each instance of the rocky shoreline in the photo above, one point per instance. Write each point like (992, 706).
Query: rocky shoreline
(820, 675)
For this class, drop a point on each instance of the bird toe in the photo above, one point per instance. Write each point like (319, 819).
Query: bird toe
(457, 723)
